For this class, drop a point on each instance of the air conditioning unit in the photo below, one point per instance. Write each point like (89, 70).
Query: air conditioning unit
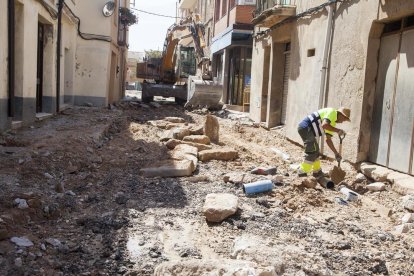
(246, 2)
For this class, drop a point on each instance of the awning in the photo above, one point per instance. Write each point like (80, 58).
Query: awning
(232, 37)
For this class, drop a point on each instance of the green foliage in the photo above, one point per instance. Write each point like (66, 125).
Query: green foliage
(127, 17)
(153, 54)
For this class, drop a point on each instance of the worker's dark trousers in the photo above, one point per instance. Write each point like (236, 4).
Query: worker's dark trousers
(311, 150)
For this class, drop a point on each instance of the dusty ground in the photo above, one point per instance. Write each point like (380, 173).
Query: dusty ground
(110, 220)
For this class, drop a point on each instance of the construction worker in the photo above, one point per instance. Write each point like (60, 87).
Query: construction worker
(320, 123)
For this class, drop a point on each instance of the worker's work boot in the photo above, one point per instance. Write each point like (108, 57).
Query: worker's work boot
(301, 173)
(318, 174)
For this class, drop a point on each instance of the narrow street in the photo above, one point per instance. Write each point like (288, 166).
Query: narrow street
(72, 191)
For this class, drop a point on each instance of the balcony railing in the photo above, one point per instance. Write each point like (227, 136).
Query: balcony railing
(268, 13)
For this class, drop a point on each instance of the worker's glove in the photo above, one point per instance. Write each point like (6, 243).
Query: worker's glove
(338, 157)
(341, 132)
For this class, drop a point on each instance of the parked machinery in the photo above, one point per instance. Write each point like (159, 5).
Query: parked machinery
(184, 72)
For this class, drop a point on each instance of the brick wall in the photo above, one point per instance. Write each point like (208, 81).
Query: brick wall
(239, 14)
(244, 14)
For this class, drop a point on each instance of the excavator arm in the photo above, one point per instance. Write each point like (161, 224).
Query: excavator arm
(192, 27)
(192, 86)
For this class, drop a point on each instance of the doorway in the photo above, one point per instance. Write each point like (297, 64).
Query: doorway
(39, 74)
(392, 131)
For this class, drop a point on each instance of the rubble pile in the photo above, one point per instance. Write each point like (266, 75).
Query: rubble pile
(156, 190)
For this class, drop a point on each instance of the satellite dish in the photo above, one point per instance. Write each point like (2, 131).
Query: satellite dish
(108, 9)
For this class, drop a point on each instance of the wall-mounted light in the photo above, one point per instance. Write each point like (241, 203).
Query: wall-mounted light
(108, 9)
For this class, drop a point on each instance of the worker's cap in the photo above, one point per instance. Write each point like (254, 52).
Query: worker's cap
(346, 112)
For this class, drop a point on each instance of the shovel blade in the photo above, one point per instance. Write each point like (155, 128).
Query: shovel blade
(337, 175)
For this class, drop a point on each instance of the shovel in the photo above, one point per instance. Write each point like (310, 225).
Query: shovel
(337, 174)
(341, 138)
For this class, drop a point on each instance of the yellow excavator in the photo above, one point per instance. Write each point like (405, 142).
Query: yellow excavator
(184, 72)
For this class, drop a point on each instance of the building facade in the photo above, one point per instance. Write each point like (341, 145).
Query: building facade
(358, 54)
(232, 50)
(92, 57)
(205, 9)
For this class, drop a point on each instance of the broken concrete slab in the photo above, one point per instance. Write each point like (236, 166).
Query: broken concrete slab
(212, 267)
(404, 228)
(376, 172)
(376, 187)
(219, 206)
(407, 218)
(185, 152)
(285, 259)
(171, 144)
(218, 154)
(200, 139)
(408, 202)
(237, 178)
(169, 168)
(211, 128)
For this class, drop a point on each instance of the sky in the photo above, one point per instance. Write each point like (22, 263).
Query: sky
(151, 30)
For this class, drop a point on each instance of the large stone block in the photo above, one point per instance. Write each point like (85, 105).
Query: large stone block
(200, 139)
(376, 187)
(174, 119)
(176, 133)
(375, 172)
(218, 207)
(197, 130)
(404, 186)
(172, 143)
(169, 168)
(211, 128)
(218, 154)
(185, 152)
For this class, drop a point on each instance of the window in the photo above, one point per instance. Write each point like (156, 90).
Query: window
(217, 11)
(232, 3)
(311, 52)
(224, 8)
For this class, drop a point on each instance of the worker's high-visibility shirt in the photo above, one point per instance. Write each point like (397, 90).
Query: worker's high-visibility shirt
(314, 121)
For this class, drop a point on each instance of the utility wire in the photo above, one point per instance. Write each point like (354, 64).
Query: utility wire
(156, 14)
(87, 36)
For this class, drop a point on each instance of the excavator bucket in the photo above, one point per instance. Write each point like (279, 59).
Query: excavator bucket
(203, 93)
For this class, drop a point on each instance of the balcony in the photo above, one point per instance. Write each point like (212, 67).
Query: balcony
(186, 4)
(270, 16)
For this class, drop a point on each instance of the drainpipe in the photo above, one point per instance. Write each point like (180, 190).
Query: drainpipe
(58, 53)
(328, 44)
(11, 56)
(326, 51)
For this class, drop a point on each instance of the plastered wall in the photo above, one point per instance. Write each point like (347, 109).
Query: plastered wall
(3, 65)
(351, 71)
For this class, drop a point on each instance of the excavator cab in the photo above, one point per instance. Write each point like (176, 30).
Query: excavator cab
(186, 65)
